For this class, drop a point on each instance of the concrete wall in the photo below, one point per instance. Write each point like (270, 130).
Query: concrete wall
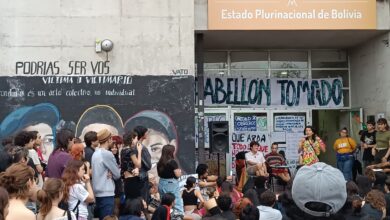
(370, 76)
(150, 37)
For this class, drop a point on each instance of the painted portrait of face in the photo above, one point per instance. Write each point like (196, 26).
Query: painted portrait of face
(161, 131)
(42, 118)
(155, 141)
(97, 118)
(45, 138)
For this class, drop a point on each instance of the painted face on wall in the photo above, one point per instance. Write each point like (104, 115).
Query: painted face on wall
(47, 139)
(96, 127)
(154, 142)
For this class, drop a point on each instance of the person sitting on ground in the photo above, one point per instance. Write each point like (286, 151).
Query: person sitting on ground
(155, 198)
(267, 202)
(211, 205)
(249, 212)
(276, 159)
(365, 182)
(225, 203)
(190, 197)
(163, 212)
(132, 209)
(205, 180)
(255, 161)
(227, 188)
(250, 198)
(375, 205)
(352, 207)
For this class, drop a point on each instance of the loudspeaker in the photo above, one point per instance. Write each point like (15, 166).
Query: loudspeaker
(219, 136)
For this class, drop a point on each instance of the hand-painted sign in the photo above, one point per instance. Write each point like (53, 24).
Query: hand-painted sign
(275, 92)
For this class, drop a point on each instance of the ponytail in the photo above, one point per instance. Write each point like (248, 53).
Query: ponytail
(51, 190)
(46, 202)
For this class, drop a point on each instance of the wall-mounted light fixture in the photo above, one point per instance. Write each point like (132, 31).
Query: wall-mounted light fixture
(104, 45)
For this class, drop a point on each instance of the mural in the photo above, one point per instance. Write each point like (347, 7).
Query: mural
(163, 104)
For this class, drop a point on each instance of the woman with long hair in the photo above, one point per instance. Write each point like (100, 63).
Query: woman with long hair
(49, 197)
(375, 205)
(4, 203)
(310, 147)
(19, 181)
(78, 190)
(382, 149)
(60, 156)
(169, 172)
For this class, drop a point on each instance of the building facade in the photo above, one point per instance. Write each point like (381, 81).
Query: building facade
(269, 68)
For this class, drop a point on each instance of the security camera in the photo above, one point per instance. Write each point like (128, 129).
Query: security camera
(107, 45)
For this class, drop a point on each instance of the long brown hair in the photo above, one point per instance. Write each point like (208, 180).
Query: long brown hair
(70, 176)
(376, 199)
(16, 179)
(52, 188)
(167, 154)
(4, 200)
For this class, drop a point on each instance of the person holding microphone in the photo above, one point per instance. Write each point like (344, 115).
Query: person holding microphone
(310, 147)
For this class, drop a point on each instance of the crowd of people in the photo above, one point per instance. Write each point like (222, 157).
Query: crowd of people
(107, 177)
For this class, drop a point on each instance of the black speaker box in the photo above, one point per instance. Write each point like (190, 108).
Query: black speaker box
(219, 136)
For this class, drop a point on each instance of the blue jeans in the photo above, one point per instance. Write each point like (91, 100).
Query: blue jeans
(345, 164)
(172, 186)
(105, 206)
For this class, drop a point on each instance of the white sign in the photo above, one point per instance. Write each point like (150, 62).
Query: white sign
(290, 123)
(275, 92)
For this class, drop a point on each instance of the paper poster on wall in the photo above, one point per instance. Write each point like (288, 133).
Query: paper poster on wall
(261, 123)
(290, 123)
(278, 136)
(245, 123)
(292, 141)
(241, 140)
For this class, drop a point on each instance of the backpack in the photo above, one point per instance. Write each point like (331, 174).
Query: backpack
(65, 206)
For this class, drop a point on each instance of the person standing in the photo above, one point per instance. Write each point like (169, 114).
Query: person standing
(382, 141)
(345, 146)
(104, 170)
(169, 172)
(368, 139)
(91, 143)
(310, 147)
(146, 162)
(60, 156)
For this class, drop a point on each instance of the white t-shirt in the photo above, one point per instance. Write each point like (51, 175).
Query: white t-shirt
(255, 158)
(33, 155)
(78, 193)
(269, 213)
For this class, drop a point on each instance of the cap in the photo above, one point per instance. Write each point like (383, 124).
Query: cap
(103, 135)
(322, 183)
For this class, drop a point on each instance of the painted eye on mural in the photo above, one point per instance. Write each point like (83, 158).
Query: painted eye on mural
(48, 139)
